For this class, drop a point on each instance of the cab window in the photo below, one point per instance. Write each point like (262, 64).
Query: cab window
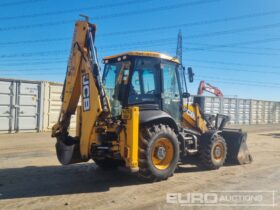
(144, 87)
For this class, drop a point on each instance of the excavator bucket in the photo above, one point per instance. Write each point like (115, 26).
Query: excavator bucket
(68, 150)
(237, 150)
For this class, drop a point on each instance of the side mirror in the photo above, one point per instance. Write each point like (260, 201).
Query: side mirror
(186, 95)
(190, 74)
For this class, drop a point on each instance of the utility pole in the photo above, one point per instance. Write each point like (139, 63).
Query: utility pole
(179, 54)
(179, 50)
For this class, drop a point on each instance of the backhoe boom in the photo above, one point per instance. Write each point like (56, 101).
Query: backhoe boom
(82, 79)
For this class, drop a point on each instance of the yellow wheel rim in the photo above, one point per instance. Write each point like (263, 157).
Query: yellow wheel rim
(162, 153)
(218, 151)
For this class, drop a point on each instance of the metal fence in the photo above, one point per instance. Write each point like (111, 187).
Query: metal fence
(34, 106)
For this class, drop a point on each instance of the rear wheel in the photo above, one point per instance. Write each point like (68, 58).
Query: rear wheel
(158, 152)
(213, 150)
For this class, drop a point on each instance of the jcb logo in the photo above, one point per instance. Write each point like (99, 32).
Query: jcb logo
(86, 93)
(190, 113)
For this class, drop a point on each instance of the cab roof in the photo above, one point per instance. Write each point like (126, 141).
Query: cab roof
(144, 54)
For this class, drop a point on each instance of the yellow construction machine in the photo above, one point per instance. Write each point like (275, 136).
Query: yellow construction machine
(134, 116)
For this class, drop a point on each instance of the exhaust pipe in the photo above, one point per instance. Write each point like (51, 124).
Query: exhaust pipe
(68, 150)
(237, 152)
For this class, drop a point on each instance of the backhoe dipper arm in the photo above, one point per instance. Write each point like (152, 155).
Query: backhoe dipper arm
(82, 79)
(208, 88)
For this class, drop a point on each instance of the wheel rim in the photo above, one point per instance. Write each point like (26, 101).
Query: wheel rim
(218, 151)
(162, 153)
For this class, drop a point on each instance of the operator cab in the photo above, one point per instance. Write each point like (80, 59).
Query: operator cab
(149, 80)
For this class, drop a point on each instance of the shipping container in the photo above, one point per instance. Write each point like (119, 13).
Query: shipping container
(20, 106)
(243, 111)
(52, 105)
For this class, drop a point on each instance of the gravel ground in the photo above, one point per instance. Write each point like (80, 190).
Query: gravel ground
(31, 177)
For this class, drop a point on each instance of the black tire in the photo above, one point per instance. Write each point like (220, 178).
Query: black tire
(212, 150)
(108, 163)
(150, 137)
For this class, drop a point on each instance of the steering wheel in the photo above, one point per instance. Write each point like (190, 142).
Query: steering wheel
(151, 92)
(133, 91)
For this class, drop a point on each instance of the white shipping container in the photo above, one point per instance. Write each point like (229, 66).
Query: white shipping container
(52, 105)
(21, 104)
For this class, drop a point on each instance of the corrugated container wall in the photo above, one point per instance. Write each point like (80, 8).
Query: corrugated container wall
(243, 111)
(21, 103)
(52, 105)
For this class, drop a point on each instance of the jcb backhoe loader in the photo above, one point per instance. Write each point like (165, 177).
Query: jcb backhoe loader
(134, 116)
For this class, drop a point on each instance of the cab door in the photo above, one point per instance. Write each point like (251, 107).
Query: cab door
(171, 100)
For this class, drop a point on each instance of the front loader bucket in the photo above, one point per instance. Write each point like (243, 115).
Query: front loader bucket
(68, 150)
(237, 150)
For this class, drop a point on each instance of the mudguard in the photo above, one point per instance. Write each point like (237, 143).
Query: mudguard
(153, 115)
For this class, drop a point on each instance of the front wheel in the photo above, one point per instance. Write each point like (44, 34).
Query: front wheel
(213, 150)
(158, 152)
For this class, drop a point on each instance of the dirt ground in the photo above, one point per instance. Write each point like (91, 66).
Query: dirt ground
(31, 177)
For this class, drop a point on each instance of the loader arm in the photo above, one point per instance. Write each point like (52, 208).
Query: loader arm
(83, 81)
